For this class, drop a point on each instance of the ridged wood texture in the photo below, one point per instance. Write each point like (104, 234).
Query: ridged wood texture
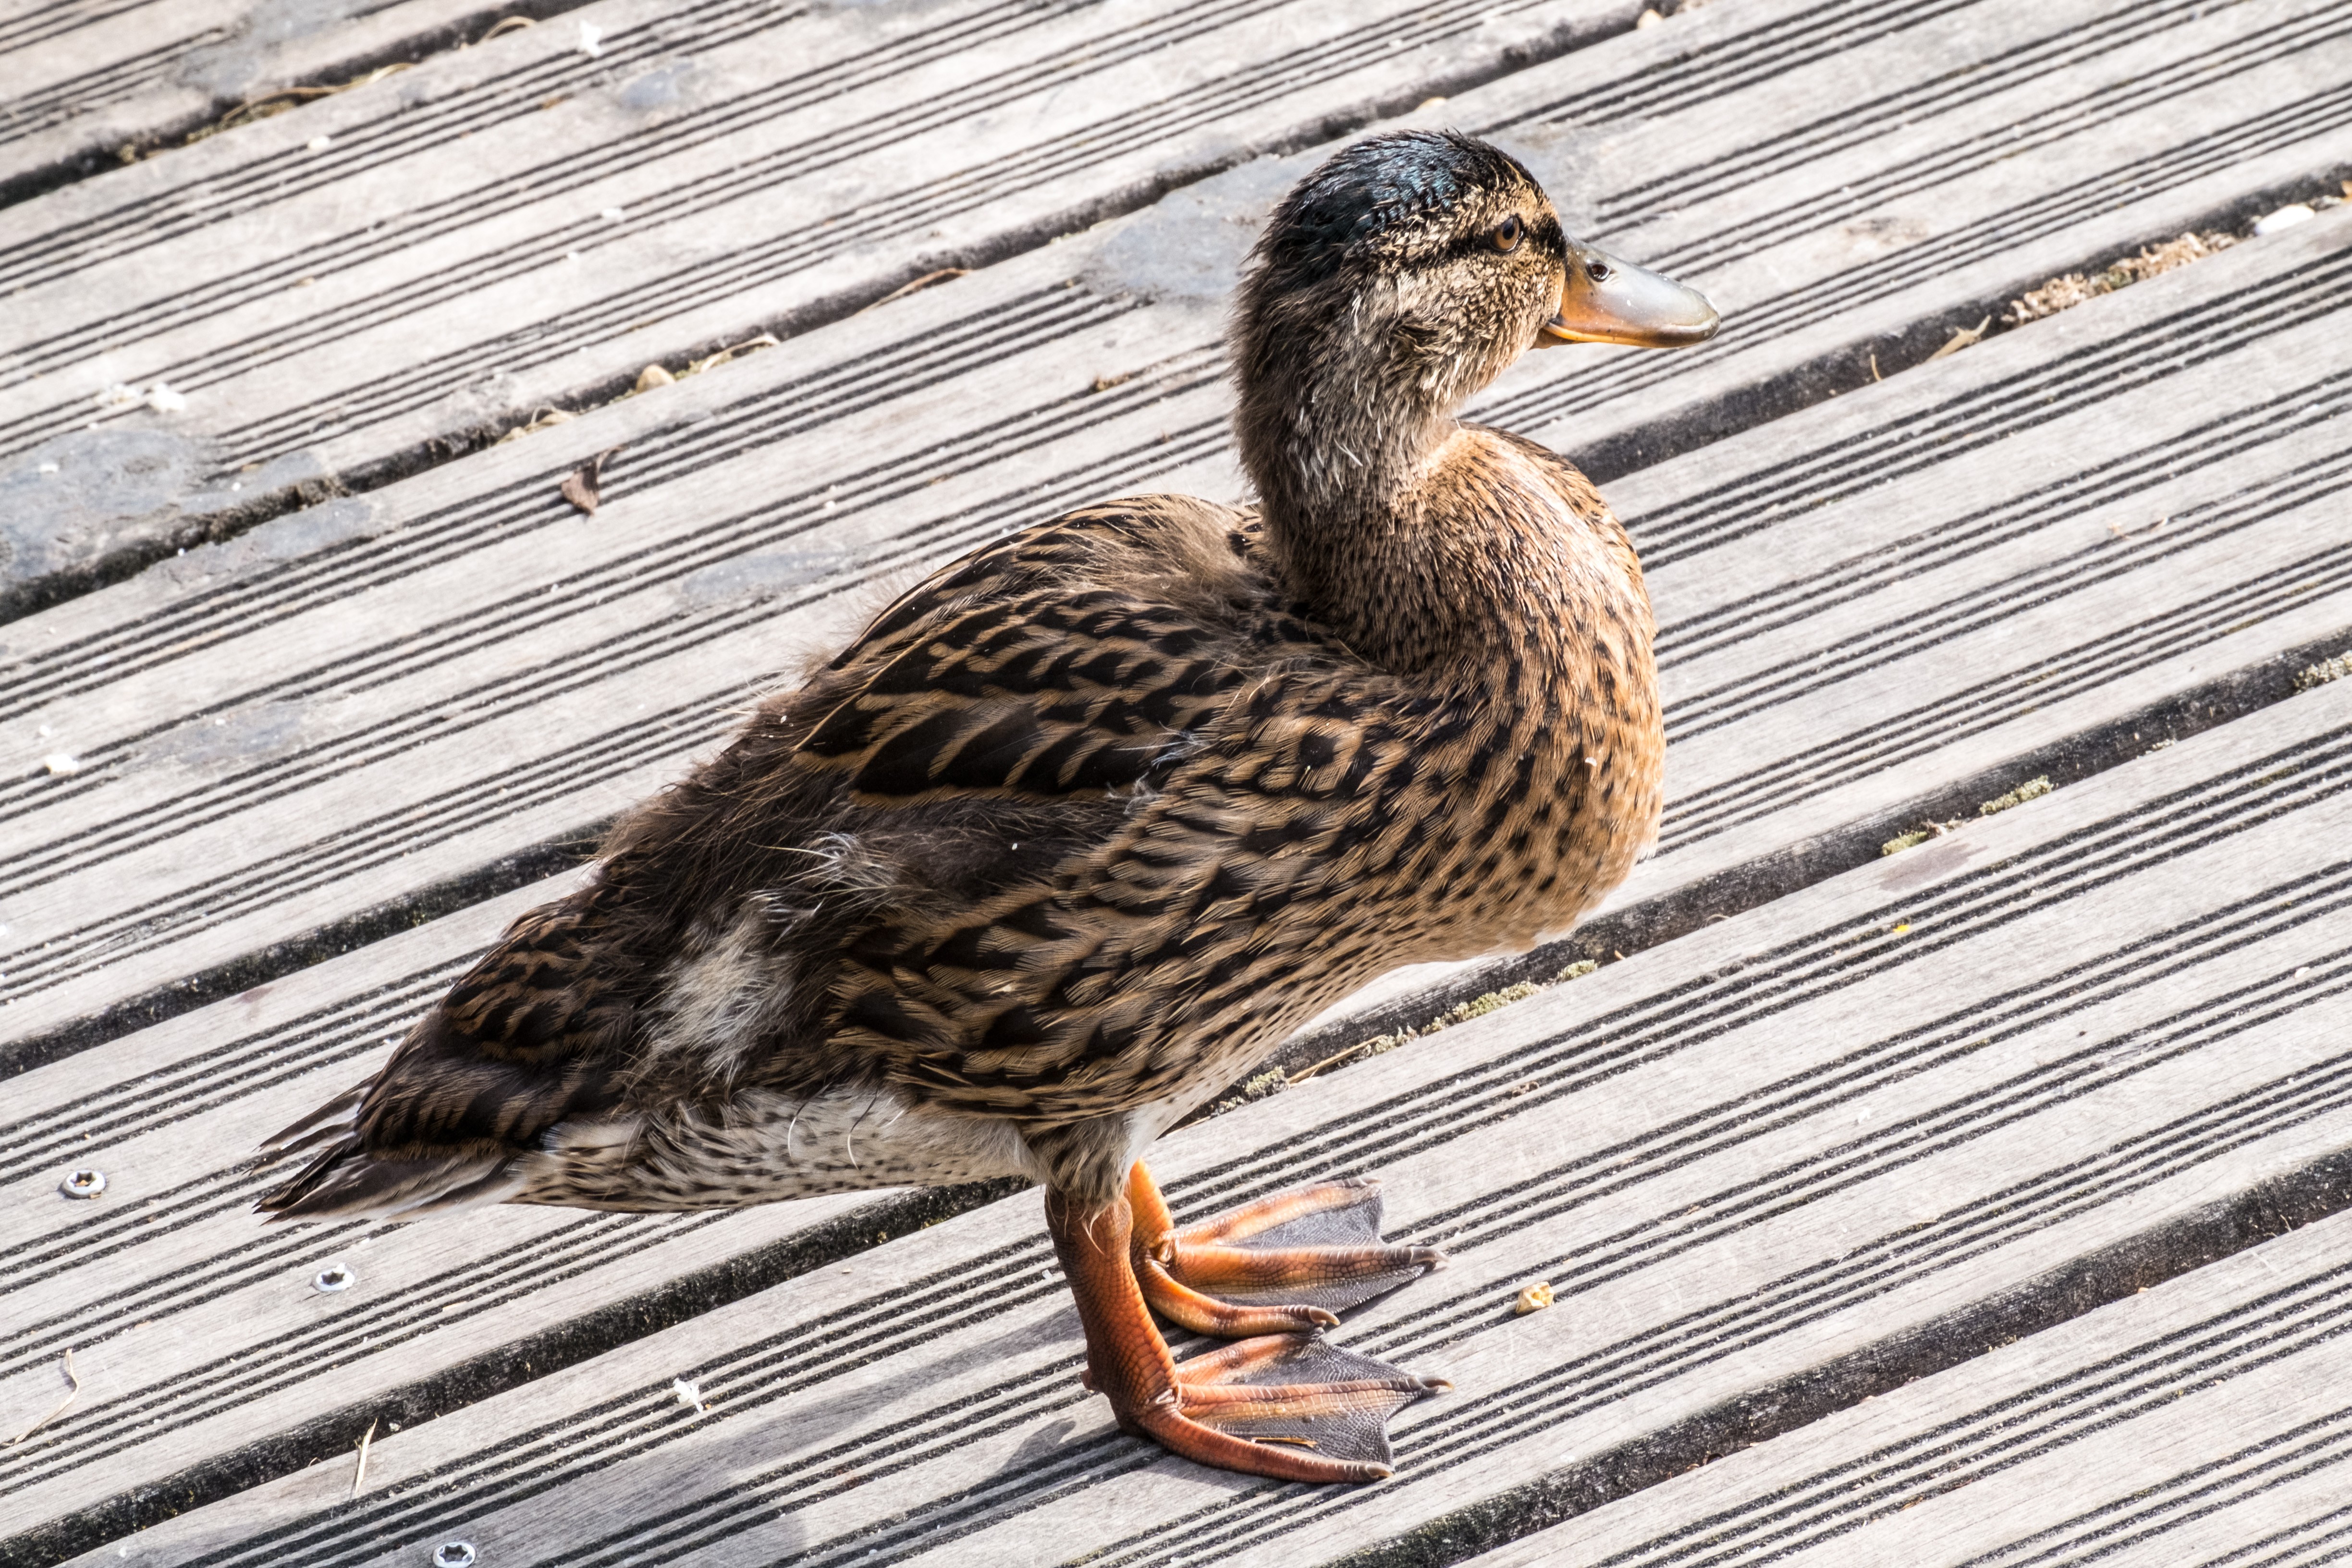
(2203, 1423)
(84, 79)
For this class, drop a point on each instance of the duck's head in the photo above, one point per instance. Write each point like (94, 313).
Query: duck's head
(1395, 281)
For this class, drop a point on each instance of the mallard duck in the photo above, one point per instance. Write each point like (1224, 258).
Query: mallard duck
(1080, 827)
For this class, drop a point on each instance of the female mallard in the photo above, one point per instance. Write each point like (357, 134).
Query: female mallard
(1083, 825)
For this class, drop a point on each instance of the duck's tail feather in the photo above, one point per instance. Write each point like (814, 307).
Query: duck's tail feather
(344, 1180)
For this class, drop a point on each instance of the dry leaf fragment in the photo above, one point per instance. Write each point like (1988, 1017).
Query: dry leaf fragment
(1533, 1298)
(653, 375)
(580, 485)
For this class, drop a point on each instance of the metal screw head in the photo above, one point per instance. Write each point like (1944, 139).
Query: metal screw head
(454, 1554)
(83, 1184)
(338, 1277)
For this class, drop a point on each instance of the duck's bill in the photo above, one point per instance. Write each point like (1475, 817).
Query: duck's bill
(1606, 300)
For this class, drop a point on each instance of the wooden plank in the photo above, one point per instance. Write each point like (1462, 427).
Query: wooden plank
(84, 79)
(1901, 1094)
(391, 692)
(2201, 1423)
(391, 273)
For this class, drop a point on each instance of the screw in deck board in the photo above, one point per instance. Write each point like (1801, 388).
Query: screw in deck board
(454, 1554)
(334, 1276)
(83, 1184)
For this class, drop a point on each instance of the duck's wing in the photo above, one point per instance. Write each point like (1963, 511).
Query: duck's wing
(1257, 758)
(1078, 658)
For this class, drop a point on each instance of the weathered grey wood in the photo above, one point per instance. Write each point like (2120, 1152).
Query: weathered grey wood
(195, 1328)
(81, 79)
(1862, 604)
(382, 278)
(436, 313)
(2203, 1423)
(1901, 1093)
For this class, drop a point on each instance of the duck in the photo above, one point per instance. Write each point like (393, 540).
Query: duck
(1083, 824)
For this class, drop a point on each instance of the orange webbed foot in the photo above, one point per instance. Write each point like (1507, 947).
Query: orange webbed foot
(1282, 1264)
(1283, 1404)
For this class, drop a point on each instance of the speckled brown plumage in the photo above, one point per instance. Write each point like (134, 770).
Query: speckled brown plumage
(1081, 825)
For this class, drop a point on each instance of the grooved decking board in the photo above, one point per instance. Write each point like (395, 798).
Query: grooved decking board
(1861, 606)
(400, 269)
(81, 78)
(1905, 1092)
(2000, 140)
(196, 1325)
(2205, 1422)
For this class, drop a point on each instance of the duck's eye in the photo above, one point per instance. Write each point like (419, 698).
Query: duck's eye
(1597, 271)
(1506, 234)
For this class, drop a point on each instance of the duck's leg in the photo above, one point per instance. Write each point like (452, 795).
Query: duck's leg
(1311, 1427)
(1293, 1258)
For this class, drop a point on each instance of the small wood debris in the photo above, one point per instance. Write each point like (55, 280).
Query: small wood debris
(943, 275)
(359, 1471)
(73, 1378)
(688, 1393)
(61, 764)
(2032, 789)
(1272, 1081)
(713, 361)
(1533, 1297)
(2065, 292)
(1962, 337)
(653, 375)
(2320, 674)
(541, 419)
(1919, 836)
(579, 485)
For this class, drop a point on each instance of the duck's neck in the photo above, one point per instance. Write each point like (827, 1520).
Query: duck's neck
(1389, 522)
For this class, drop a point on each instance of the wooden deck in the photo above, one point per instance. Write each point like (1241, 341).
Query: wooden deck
(1850, 1170)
